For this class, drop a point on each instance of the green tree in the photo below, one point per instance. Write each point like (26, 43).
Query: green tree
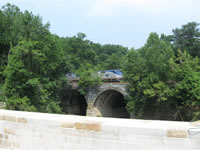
(80, 50)
(145, 70)
(158, 80)
(22, 82)
(16, 26)
(36, 73)
(4, 46)
(88, 78)
(187, 38)
(109, 56)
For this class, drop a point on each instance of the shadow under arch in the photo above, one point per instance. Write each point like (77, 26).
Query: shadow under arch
(111, 103)
(74, 103)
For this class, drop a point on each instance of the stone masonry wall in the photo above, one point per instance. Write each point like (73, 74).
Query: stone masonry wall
(39, 131)
(93, 93)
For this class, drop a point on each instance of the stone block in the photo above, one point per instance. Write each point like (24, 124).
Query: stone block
(9, 131)
(174, 133)
(9, 118)
(67, 125)
(88, 126)
(22, 120)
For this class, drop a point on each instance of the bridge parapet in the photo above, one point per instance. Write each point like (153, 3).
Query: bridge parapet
(40, 131)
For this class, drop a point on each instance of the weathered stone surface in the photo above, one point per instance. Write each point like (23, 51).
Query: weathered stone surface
(22, 120)
(94, 133)
(88, 126)
(93, 111)
(9, 118)
(9, 131)
(67, 125)
(95, 92)
(174, 133)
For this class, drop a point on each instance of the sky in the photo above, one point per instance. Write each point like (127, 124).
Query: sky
(124, 22)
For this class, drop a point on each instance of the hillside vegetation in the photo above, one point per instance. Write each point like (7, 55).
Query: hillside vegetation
(164, 73)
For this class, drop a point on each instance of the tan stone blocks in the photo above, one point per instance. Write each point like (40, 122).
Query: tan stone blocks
(67, 125)
(5, 136)
(22, 120)
(13, 119)
(88, 126)
(174, 133)
(9, 118)
(82, 126)
(9, 131)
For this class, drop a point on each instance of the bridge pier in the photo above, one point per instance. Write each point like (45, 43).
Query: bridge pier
(92, 111)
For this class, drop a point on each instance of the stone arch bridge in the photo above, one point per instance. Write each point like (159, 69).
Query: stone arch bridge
(106, 100)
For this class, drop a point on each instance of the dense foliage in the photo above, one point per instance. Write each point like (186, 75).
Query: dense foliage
(161, 81)
(88, 78)
(34, 62)
(163, 76)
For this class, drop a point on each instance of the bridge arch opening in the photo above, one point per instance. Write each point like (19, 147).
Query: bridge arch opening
(111, 103)
(74, 103)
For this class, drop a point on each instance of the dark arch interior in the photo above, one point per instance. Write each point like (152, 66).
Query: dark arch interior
(155, 112)
(74, 103)
(112, 104)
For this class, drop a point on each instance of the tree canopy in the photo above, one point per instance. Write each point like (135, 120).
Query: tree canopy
(163, 76)
(34, 62)
(161, 81)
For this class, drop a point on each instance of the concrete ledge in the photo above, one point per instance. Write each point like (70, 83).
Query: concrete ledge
(32, 131)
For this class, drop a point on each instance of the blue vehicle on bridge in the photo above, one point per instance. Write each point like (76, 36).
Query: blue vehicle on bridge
(114, 75)
(111, 74)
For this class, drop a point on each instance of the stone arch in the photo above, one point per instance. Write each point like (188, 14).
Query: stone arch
(110, 102)
(74, 103)
(110, 87)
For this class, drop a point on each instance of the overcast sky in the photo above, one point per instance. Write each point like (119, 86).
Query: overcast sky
(125, 22)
